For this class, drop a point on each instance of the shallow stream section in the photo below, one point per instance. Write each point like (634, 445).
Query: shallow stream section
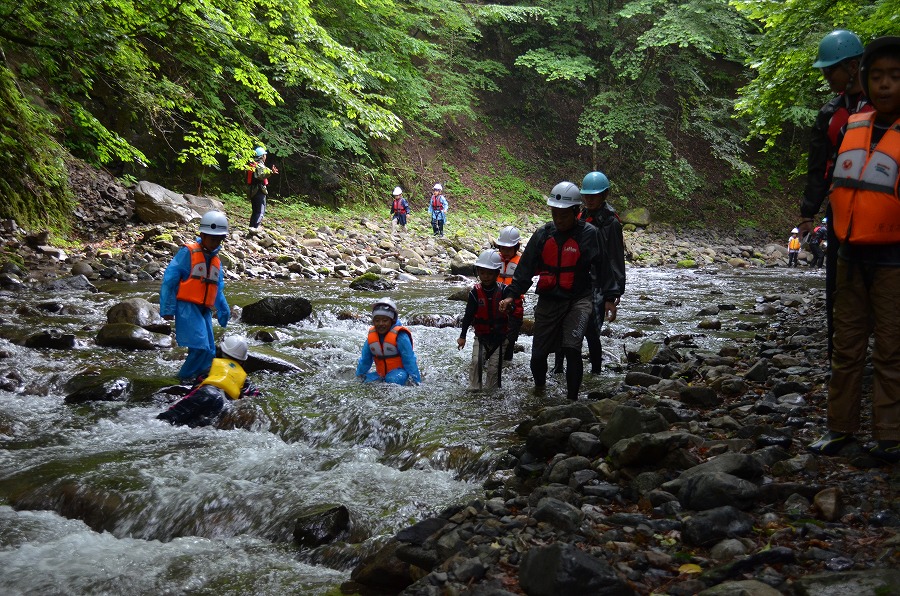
(101, 498)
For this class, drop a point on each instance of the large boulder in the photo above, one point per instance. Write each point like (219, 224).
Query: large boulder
(277, 311)
(155, 204)
(131, 337)
(137, 311)
(639, 216)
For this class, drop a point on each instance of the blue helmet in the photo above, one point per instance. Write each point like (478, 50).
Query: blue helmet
(594, 183)
(259, 151)
(837, 46)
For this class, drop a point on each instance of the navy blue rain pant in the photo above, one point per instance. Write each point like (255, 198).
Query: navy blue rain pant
(200, 407)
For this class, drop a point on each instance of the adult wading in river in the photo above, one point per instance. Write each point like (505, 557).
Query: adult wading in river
(192, 287)
(562, 253)
(839, 58)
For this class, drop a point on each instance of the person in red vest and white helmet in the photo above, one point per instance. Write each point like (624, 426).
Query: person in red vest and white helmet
(437, 209)
(399, 209)
(193, 287)
(562, 253)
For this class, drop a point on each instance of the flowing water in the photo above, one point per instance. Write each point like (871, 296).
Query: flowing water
(102, 498)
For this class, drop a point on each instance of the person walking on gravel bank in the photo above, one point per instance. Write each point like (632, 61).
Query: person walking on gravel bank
(258, 186)
(399, 209)
(437, 209)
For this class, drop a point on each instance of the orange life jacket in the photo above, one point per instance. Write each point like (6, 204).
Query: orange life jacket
(864, 193)
(202, 285)
(507, 270)
(558, 264)
(794, 244)
(436, 204)
(384, 351)
(488, 318)
(398, 206)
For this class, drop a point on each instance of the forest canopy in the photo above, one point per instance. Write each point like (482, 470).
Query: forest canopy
(185, 85)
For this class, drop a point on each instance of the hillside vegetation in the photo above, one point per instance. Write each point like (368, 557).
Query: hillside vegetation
(697, 109)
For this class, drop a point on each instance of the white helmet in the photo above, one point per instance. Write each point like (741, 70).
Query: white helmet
(509, 236)
(214, 223)
(489, 259)
(385, 307)
(437, 187)
(795, 231)
(397, 191)
(235, 346)
(564, 194)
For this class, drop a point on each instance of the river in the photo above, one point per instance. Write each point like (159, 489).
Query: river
(101, 498)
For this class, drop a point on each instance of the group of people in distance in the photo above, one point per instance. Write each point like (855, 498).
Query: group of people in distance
(437, 210)
(817, 242)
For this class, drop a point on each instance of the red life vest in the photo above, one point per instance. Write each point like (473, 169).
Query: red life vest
(839, 120)
(252, 171)
(202, 285)
(507, 270)
(384, 351)
(488, 318)
(398, 206)
(864, 193)
(436, 204)
(558, 264)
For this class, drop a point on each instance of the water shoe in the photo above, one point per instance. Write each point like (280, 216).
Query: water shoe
(888, 451)
(830, 443)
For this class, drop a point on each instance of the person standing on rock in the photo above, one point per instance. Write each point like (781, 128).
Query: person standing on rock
(437, 209)
(562, 253)
(258, 186)
(399, 209)
(490, 323)
(839, 58)
(865, 205)
(192, 288)
(793, 248)
(226, 381)
(389, 346)
(507, 244)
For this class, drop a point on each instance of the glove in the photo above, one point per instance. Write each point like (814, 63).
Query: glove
(223, 318)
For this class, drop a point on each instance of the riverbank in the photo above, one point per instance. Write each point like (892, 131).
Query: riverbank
(691, 478)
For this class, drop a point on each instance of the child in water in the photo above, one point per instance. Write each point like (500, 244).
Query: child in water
(490, 323)
(389, 346)
(226, 381)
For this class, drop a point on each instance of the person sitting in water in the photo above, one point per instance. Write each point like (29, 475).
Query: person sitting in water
(226, 381)
(389, 346)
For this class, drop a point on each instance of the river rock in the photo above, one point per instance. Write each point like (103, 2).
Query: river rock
(627, 422)
(321, 524)
(716, 489)
(561, 568)
(99, 389)
(372, 282)
(74, 283)
(131, 337)
(714, 525)
(51, 338)
(137, 311)
(277, 311)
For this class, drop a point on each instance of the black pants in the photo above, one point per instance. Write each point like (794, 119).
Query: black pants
(200, 407)
(595, 349)
(259, 209)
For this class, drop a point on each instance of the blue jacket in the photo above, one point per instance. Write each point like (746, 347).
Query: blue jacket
(438, 214)
(193, 323)
(407, 355)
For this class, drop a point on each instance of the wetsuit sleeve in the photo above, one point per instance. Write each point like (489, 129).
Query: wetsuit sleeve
(469, 316)
(527, 266)
(365, 359)
(615, 256)
(445, 204)
(817, 174)
(408, 357)
(179, 269)
(249, 390)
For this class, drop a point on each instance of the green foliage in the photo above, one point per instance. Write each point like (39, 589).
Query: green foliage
(35, 187)
(785, 89)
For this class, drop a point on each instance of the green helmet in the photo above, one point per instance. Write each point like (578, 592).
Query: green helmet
(594, 183)
(837, 46)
